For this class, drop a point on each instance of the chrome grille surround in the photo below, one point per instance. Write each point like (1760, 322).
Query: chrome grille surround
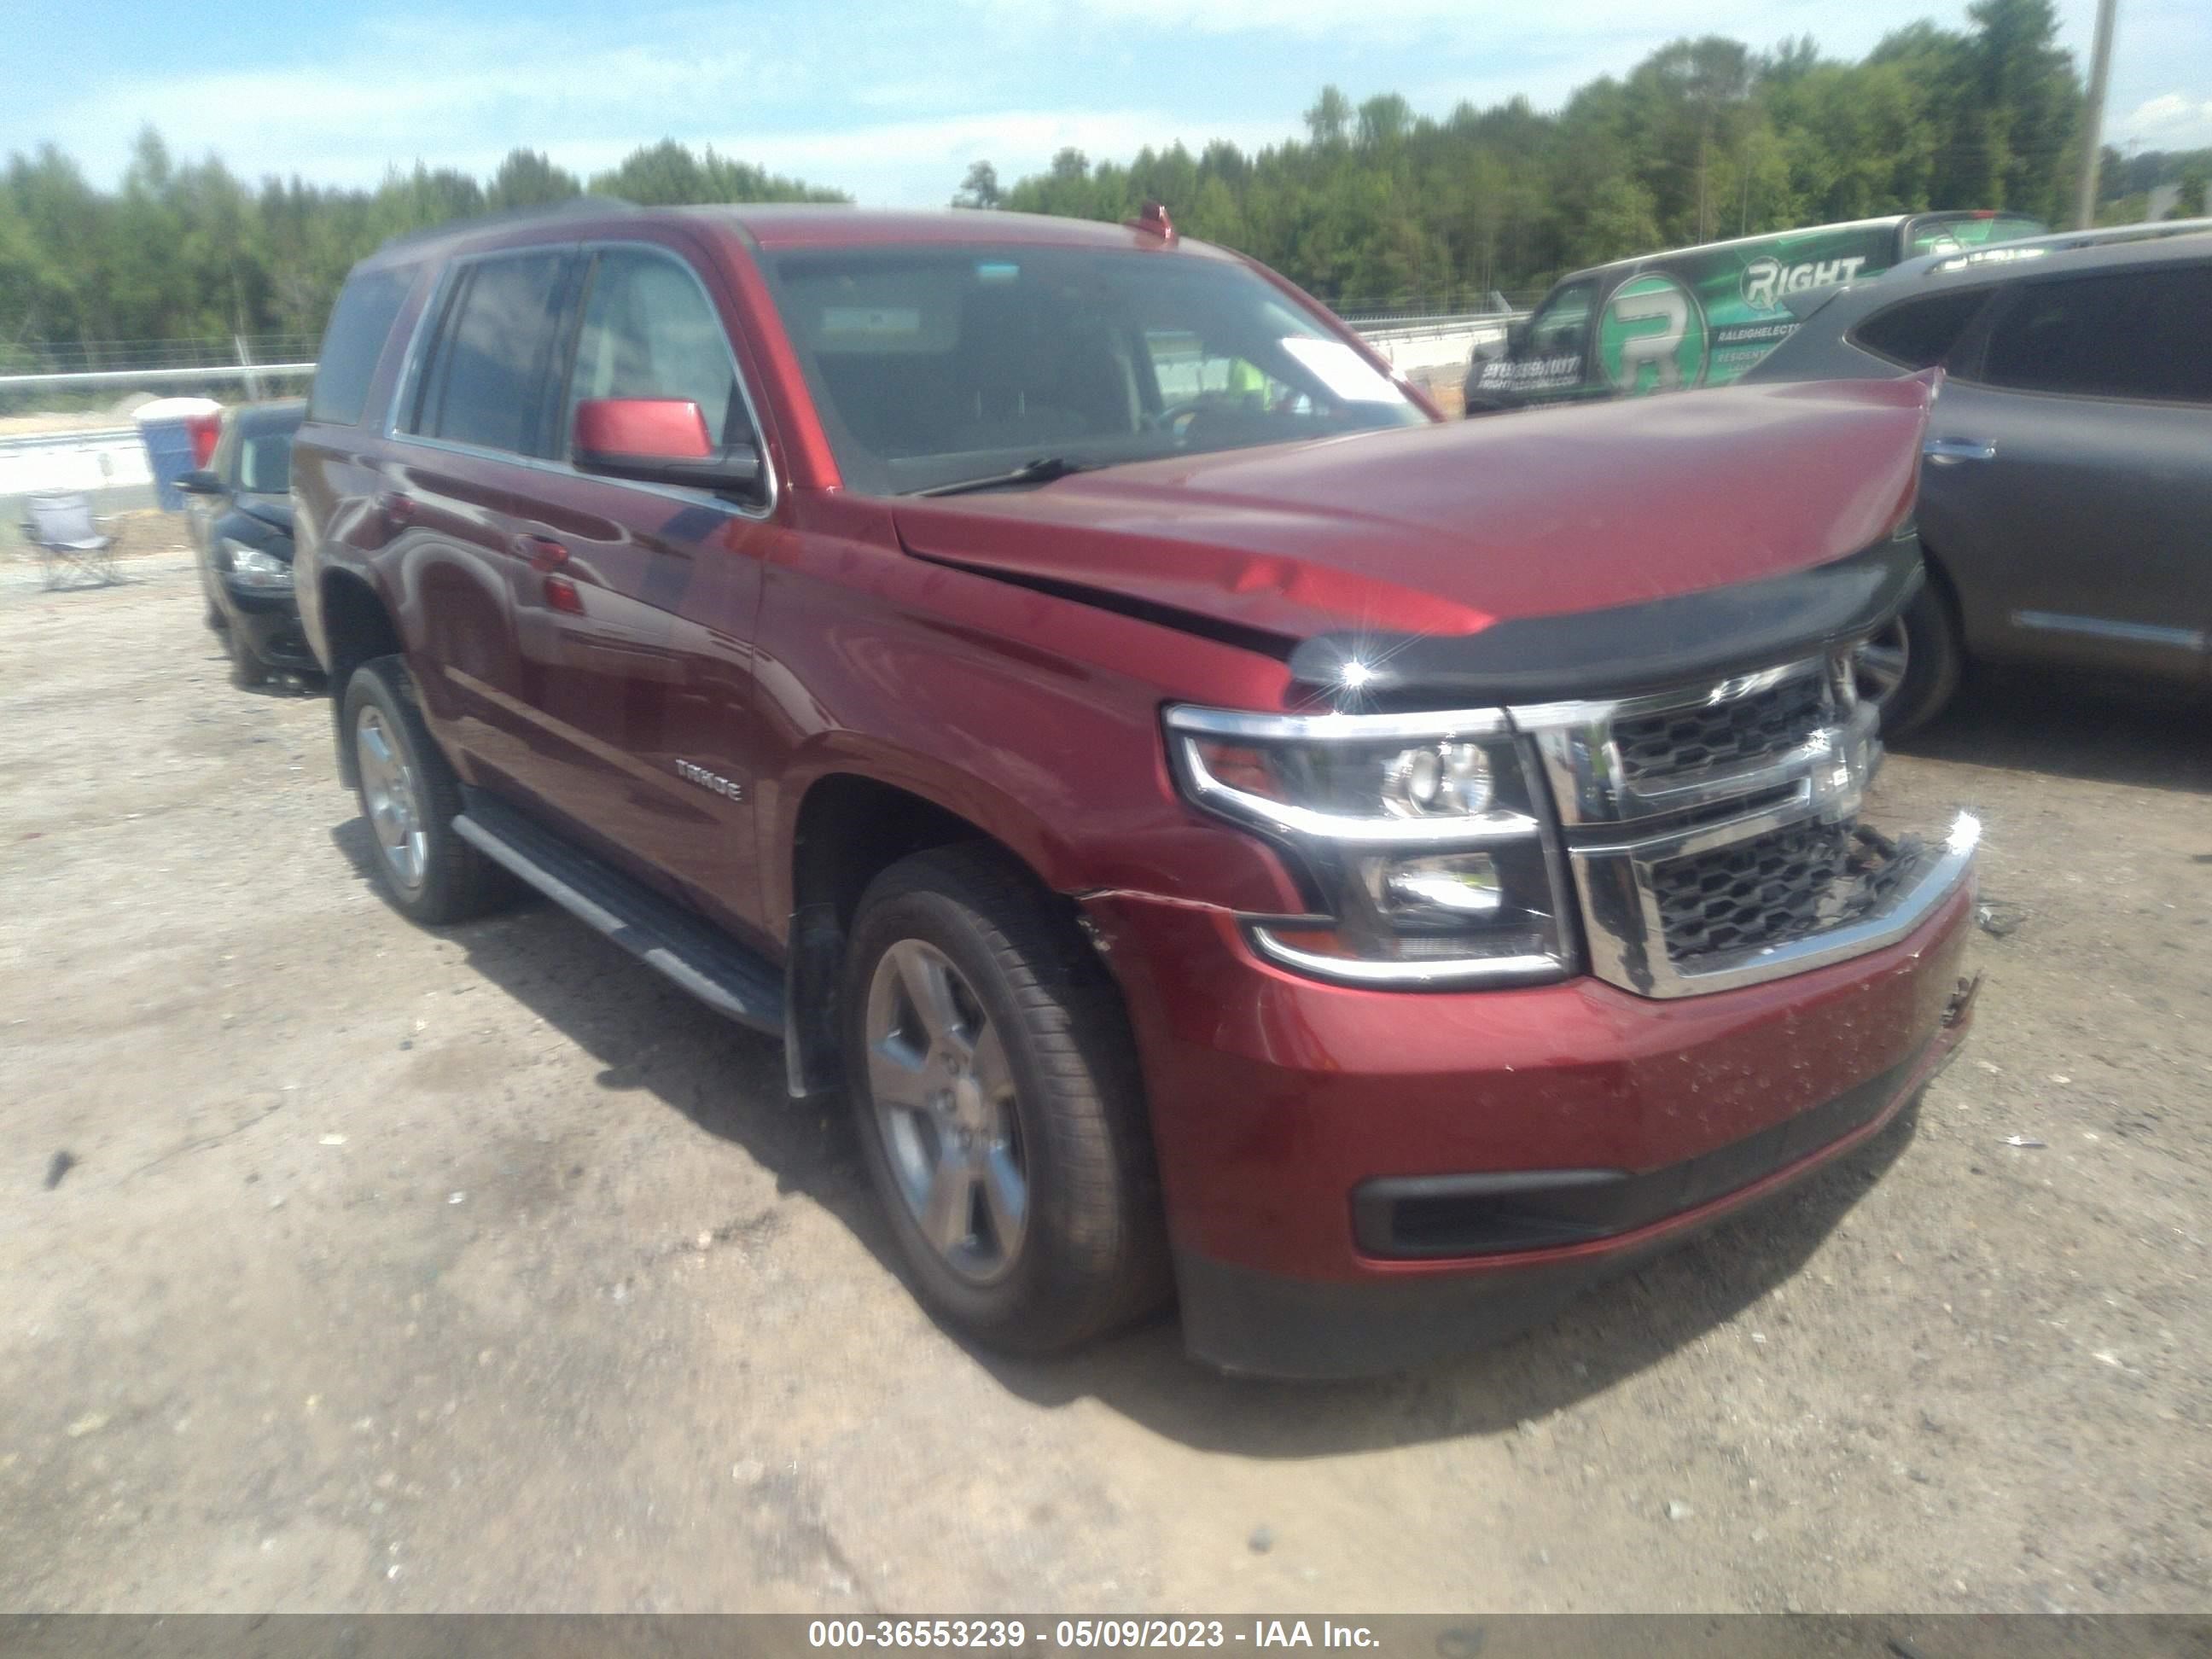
(1714, 832)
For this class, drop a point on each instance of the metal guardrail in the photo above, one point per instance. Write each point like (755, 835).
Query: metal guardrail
(1386, 328)
(199, 351)
(88, 379)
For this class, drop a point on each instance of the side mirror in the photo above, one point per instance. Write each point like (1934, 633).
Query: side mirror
(199, 482)
(1516, 337)
(659, 440)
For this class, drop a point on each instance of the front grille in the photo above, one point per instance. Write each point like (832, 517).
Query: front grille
(1802, 879)
(1740, 733)
(1713, 830)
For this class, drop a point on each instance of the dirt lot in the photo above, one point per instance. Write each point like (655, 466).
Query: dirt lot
(395, 1271)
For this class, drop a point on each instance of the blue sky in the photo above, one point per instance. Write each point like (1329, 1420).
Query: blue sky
(890, 101)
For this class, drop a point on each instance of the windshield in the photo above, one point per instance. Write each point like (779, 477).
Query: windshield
(938, 366)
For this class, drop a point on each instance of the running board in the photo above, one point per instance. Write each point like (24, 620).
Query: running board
(656, 930)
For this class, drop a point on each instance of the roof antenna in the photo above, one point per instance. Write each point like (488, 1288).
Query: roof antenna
(1154, 221)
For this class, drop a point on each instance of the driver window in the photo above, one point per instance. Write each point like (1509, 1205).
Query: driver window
(649, 331)
(1559, 327)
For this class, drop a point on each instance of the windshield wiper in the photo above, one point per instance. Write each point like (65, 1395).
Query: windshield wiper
(1043, 469)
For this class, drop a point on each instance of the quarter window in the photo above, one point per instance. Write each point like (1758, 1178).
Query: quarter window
(649, 332)
(2144, 334)
(355, 340)
(487, 368)
(1920, 333)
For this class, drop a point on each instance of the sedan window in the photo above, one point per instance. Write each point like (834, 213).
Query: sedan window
(265, 464)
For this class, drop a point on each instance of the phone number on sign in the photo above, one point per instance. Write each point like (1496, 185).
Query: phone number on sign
(1001, 1634)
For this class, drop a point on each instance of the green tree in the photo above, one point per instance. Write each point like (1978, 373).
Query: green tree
(528, 179)
(1330, 117)
(979, 189)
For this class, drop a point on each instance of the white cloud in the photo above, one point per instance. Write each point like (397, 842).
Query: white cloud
(893, 102)
(1355, 22)
(2170, 121)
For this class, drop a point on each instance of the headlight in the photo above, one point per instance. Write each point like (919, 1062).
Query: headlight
(1421, 831)
(252, 567)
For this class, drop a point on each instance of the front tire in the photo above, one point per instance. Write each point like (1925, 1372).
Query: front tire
(409, 797)
(1909, 669)
(247, 670)
(1000, 1114)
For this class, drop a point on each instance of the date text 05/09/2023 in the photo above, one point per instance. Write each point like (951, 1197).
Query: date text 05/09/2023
(1005, 1635)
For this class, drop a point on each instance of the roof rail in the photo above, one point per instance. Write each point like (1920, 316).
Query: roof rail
(510, 216)
(2060, 241)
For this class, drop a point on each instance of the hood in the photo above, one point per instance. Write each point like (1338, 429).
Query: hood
(1454, 528)
(275, 511)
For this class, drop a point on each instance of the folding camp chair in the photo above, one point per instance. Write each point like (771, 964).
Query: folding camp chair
(68, 539)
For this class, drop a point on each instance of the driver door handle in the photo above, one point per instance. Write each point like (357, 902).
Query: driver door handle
(1949, 451)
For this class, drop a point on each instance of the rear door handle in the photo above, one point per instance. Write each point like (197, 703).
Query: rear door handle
(543, 551)
(1946, 452)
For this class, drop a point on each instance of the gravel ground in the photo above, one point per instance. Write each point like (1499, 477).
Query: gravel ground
(344, 1265)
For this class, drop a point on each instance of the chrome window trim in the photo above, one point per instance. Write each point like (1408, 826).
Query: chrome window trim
(434, 305)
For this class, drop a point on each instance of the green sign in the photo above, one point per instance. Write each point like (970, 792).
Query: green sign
(1651, 337)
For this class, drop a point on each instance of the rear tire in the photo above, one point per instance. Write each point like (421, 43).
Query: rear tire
(1910, 692)
(409, 797)
(1021, 1098)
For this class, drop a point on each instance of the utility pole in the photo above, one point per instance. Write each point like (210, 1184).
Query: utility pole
(2092, 117)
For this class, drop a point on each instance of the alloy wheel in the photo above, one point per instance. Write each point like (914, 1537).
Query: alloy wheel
(1881, 664)
(945, 1106)
(387, 789)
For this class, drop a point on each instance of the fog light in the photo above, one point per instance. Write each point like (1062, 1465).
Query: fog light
(1462, 886)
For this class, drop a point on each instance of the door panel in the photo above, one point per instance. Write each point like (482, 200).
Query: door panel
(2077, 524)
(455, 515)
(635, 610)
(458, 488)
(636, 668)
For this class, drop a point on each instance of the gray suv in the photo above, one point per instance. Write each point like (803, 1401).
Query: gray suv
(2066, 495)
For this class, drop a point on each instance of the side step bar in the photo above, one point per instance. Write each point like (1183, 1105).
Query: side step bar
(656, 930)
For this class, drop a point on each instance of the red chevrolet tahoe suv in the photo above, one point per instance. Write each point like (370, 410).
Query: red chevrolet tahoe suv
(1228, 831)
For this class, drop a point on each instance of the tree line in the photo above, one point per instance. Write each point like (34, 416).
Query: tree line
(1703, 139)
(189, 250)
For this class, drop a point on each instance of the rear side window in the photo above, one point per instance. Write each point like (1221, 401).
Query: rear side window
(360, 323)
(650, 331)
(2144, 334)
(1920, 333)
(485, 374)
